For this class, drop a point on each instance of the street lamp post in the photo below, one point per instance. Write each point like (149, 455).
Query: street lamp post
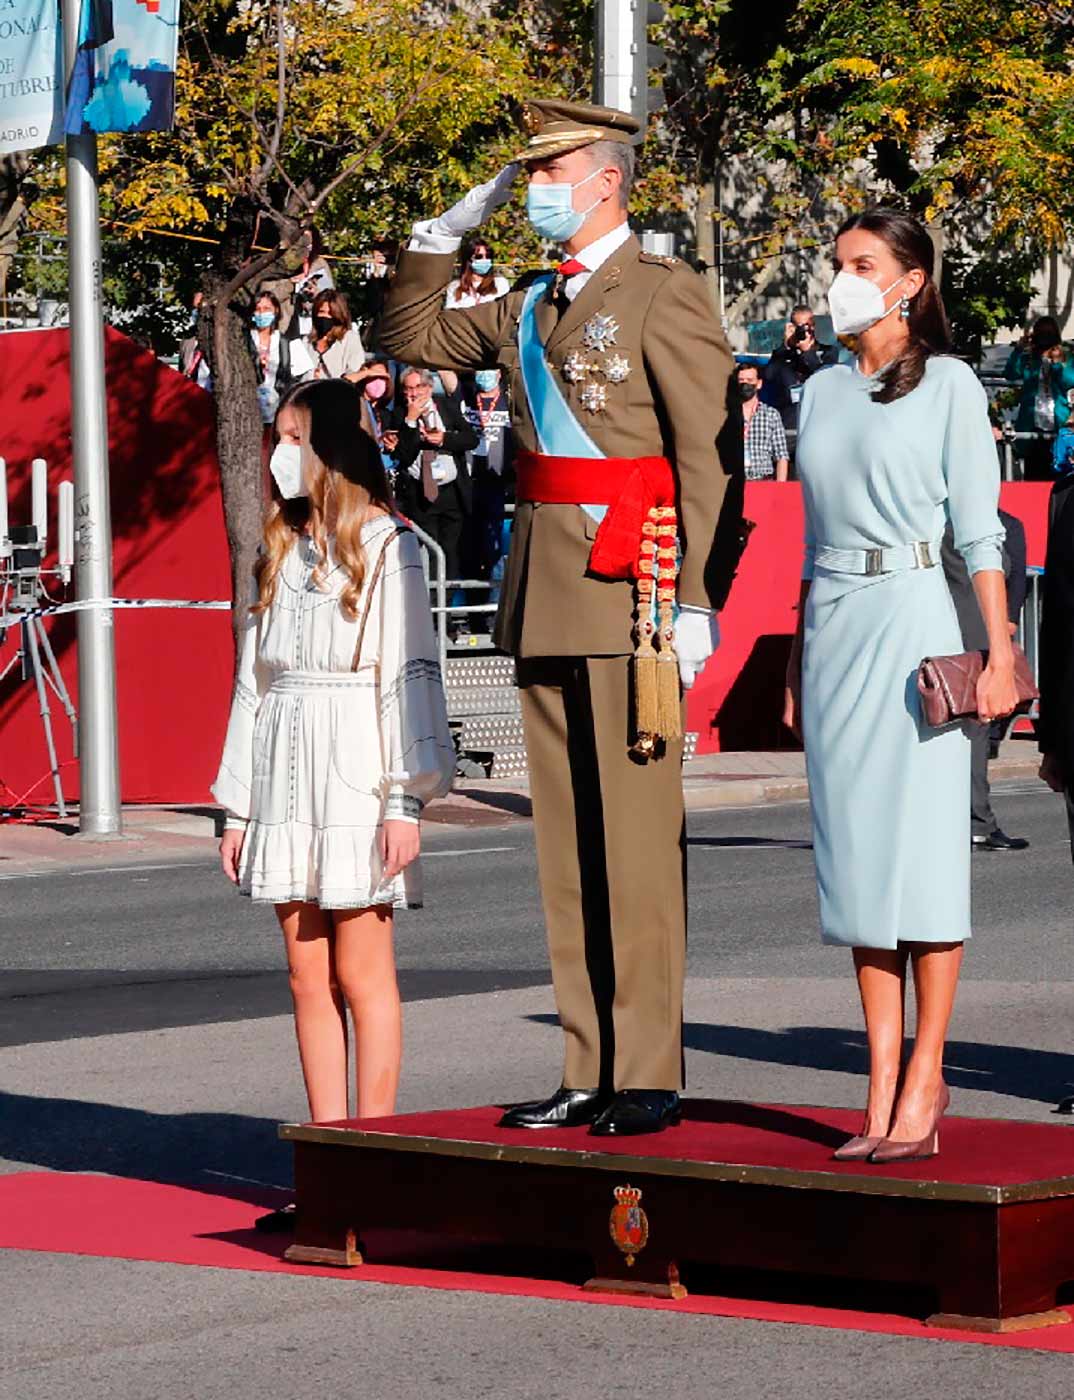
(99, 802)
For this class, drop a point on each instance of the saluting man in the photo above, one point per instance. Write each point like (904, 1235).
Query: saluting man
(618, 371)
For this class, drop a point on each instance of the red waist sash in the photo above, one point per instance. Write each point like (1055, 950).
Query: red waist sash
(629, 486)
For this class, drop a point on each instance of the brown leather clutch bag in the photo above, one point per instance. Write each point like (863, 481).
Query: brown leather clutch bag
(948, 685)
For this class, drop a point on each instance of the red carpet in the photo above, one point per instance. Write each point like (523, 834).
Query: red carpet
(976, 1151)
(116, 1218)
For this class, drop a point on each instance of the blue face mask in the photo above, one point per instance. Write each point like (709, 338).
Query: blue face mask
(264, 319)
(487, 380)
(551, 209)
(482, 266)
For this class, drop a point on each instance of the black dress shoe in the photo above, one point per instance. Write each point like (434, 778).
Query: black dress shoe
(636, 1111)
(999, 841)
(277, 1221)
(567, 1108)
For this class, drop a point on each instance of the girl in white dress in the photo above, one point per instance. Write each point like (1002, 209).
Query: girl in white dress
(338, 736)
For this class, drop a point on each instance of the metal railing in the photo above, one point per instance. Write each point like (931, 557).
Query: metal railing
(439, 585)
(1013, 465)
(1028, 634)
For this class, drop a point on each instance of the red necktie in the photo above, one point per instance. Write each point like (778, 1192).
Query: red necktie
(571, 268)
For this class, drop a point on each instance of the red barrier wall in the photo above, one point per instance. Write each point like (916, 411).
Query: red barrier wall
(175, 667)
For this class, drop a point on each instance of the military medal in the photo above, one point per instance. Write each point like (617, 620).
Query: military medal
(599, 332)
(616, 368)
(594, 398)
(575, 367)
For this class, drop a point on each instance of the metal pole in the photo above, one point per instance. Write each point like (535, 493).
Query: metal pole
(720, 279)
(99, 804)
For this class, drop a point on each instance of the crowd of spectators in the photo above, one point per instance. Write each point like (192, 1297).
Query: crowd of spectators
(446, 439)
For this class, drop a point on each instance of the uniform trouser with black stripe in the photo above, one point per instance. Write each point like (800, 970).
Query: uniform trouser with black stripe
(611, 856)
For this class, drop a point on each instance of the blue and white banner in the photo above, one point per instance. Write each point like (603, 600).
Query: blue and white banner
(31, 64)
(124, 74)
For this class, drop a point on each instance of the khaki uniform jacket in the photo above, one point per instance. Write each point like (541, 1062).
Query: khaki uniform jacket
(672, 403)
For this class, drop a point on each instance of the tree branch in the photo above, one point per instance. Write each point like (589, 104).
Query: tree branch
(272, 148)
(359, 160)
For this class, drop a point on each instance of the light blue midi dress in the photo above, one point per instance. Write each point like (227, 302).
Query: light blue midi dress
(890, 798)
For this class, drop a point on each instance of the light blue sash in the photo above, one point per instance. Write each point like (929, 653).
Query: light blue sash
(559, 433)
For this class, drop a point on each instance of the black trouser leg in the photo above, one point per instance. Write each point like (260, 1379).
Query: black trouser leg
(1068, 793)
(982, 818)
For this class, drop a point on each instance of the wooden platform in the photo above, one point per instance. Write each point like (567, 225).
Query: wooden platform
(986, 1230)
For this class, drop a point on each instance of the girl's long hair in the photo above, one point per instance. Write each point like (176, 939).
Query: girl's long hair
(346, 480)
(469, 281)
(930, 334)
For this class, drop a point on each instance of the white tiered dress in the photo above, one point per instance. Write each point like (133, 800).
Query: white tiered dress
(318, 754)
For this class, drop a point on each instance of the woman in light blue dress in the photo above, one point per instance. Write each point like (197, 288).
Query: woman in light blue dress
(889, 449)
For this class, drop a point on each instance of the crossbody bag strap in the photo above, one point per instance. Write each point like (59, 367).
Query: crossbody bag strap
(378, 569)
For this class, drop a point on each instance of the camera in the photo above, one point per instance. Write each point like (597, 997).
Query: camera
(801, 333)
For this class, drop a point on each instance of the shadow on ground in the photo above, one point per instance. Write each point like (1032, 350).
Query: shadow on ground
(1016, 1071)
(207, 1149)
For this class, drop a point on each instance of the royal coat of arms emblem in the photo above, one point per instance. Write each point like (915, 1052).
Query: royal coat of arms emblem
(628, 1224)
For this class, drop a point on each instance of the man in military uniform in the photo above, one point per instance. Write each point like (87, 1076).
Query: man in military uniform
(618, 372)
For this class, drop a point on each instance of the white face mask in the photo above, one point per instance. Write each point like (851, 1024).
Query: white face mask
(285, 464)
(856, 303)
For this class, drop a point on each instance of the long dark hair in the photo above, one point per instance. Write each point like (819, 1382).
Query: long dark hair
(930, 334)
(470, 283)
(331, 302)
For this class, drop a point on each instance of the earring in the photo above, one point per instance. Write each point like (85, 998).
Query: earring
(904, 309)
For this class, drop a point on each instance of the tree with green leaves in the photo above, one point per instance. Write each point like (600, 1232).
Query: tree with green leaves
(291, 115)
(963, 112)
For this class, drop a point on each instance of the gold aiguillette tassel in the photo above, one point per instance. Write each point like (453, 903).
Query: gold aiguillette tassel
(668, 694)
(646, 703)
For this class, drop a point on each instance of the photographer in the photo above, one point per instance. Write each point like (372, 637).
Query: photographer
(433, 485)
(1044, 366)
(800, 355)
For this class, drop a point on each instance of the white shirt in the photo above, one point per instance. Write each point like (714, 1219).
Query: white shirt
(594, 255)
(444, 470)
(454, 303)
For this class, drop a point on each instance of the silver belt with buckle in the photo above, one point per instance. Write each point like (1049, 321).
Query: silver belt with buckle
(892, 559)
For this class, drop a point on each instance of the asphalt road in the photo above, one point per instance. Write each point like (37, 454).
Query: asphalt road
(144, 1032)
(101, 951)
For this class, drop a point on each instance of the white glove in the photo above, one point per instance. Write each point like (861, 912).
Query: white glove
(697, 635)
(474, 208)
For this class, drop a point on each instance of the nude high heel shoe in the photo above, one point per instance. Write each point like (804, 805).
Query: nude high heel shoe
(860, 1149)
(928, 1146)
(856, 1149)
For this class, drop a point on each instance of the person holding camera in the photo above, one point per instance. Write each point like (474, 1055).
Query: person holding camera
(1044, 366)
(433, 485)
(800, 356)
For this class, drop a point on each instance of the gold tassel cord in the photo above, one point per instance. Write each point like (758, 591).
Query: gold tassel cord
(645, 656)
(669, 703)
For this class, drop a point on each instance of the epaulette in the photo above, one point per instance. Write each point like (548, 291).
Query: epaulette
(659, 259)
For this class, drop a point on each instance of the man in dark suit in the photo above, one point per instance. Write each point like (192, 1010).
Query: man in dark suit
(433, 485)
(1055, 727)
(986, 834)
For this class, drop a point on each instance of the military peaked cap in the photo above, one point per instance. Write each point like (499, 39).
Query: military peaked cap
(555, 127)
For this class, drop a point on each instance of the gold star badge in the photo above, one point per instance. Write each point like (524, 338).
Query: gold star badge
(616, 368)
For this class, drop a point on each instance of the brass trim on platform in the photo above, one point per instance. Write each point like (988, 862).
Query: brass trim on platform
(744, 1174)
(1025, 1322)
